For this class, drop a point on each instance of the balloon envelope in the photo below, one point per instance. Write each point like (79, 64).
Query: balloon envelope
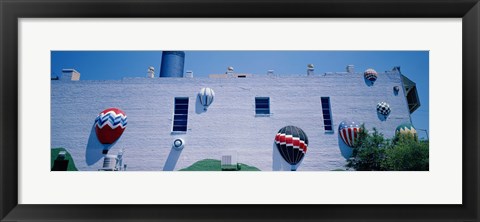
(292, 143)
(406, 129)
(370, 74)
(206, 96)
(110, 124)
(349, 132)
(383, 108)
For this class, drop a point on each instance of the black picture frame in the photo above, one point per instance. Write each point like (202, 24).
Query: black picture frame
(12, 10)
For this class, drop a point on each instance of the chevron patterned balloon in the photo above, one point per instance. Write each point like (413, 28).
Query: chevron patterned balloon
(110, 124)
(406, 129)
(349, 132)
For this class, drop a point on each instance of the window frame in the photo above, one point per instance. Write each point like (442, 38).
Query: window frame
(268, 103)
(329, 109)
(180, 114)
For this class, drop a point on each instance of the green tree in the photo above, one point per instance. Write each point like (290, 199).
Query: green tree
(403, 152)
(407, 154)
(369, 152)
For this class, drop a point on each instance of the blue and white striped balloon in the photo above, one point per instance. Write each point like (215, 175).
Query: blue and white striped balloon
(206, 96)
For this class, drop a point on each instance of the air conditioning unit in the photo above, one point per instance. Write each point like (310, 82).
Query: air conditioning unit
(229, 163)
(109, 163)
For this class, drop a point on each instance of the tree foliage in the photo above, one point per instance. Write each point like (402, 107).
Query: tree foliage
(407, 154)
(369, 151)
(374, 152)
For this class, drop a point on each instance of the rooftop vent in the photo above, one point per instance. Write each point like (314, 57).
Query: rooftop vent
(270, 72)
(151, 72)
(310, 69)
(350, 68)
(189, 74)
(242, 75)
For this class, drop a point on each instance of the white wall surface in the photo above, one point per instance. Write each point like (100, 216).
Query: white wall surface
(229, 124)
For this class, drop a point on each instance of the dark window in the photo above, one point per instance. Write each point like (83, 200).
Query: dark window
(262, 105)
(327, 114)
(180, 115)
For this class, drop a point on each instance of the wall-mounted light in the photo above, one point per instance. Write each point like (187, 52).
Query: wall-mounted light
(178, 144)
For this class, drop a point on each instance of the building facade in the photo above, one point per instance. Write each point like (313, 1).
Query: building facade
(242, 120)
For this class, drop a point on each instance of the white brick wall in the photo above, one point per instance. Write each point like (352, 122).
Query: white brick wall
(230, 122)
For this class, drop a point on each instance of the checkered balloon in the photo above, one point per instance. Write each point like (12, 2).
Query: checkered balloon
(370, 74)
(383, 108)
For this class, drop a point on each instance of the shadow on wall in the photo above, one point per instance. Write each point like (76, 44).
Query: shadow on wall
(345, 150)
(172, 159)
(278, 163)
(94, 148)
(368, 82)
(199, 107)
(381, 117)
(395, 90)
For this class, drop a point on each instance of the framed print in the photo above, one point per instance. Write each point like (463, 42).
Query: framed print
(302, 86)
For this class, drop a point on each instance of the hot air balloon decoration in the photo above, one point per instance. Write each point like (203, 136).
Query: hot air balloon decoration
(383, 108)
(349, 132)
(371, 75)
(406, 129)
(109, 126)
(206, 96)
(292, 143)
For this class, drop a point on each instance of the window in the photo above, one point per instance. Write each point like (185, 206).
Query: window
(180, 115)
(327, 114)
(262, 105)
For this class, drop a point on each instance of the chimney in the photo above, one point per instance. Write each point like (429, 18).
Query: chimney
(70, 75)
(350, 68)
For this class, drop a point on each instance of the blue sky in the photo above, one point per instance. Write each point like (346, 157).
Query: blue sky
(106, 65)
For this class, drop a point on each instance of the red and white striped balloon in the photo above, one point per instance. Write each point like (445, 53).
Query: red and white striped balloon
(292, 143)
(349, 132)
